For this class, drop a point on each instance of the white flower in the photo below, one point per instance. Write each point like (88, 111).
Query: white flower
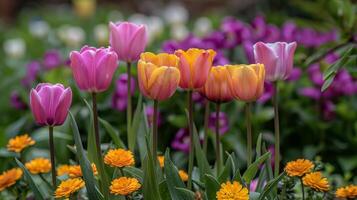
(138, 19)
(39, 29)
(15, 48)
(101, 33)
(72, 36)
(155, 27)
(202, 26)
(179, 32)
(175, 14)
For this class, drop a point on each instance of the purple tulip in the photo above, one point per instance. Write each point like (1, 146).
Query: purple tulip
(288, 32)
(268, 92)
(276, 57)
(198, 98)
(249, 52)
(295, 74)
(181, 141)
(93, 68)
(52, 59)
(50, 103)
(128, 40)
(149, 111)
(120, 96)
(310, 92)
(32, 70)
(223, 122)
(16, 101)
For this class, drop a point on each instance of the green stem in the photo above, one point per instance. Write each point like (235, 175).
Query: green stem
(129, 109)
(121, 171)
(248, 116)
(190, 128)
(277, 130)
(205, 139)
(47, 183)
(302, 189)
(154, 130)
(218, 141)
(52, 154)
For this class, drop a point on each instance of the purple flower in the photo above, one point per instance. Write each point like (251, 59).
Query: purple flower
(248, 50)
(268, 92)
(149, 111)
(288, 32)
(272, 34)
(52, 59)
(198, 98)
(223, 122)
(181, 141)
(16, 101)
(259, 25)
(295, 74)
(32, 70)
(310, 92)
(119, 99)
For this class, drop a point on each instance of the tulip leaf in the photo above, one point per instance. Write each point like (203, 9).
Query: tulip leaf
(84, 163)
(36, 191)
(188, 194)
(252, 170)
(258, 148)
(135, 124)
(212, 186)
(254, 195)
(164, 190)
(270, 186)
(142, 133)
(227, 170)
(135, 172)
(113, 134)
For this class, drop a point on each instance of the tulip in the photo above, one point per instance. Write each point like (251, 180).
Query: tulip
(247, 81)
(50, 103)
(276, 57)
(128, 40)
(158, 75)
(194, 66)
(93, 68)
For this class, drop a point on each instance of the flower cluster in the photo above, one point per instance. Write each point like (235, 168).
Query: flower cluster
(9, 178)
(19, 143)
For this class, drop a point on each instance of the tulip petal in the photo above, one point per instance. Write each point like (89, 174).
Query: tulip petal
(37, 108)
(144, 72)
(62, 108)
(80, 72)
(245, 83)
(105, 68)
(263, 54)
(163, 82)
(137, 43)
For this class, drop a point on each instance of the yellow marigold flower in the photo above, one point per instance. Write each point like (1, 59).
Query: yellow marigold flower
(299, 167)
(76, 171)
(68, 187)
(63, 169)
(9, 178)
(183, 175)
(161, 161)
(232, 191)
(18, 143)
(119, 158)
(39, 165)
(348, 192)
(316, 181)
(124, 186)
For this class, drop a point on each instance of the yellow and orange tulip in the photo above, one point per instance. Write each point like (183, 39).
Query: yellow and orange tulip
(158, 75)
(194, 66)
(247, 81)
(217, 88)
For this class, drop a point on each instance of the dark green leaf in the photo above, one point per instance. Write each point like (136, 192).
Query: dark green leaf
(173, 179)
(270, 185)
(258, 148)
(113, 134)
(189, 195)
(135, 125)
(212, 186)
(201, 158)
(135, 172)
(227, 170)
(164, 191)
(252, 170)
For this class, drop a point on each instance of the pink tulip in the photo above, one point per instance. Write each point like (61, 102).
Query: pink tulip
(277, 58)
(93, 68)
(50, 103)
(128, 40)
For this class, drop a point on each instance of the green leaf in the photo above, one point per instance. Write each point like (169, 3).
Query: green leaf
(254, 195)
(188, 194)
(143, 132)
(227, 170)
(258, 148)
(252, 170)
(84, 162)
(173, 179)
(212, 186)
(135, 124)
(164, 191)
(270, 185)
(113, 134)
(31, 182)
(92, 153)
(135, 172)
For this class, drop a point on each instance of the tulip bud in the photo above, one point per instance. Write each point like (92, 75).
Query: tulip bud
(93, 68)
(50, 103)
(158, 75)
(277, 58)
(247, 81)
(194, 66)
(217, 88)
(128, 40)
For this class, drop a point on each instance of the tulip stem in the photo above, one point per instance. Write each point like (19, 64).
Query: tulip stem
(218, 141)
(52, 154)
(277, 130)
(302, 189)
(248, 117)
(154, 130)
(205, 139)
(190, 127)
(128, 109)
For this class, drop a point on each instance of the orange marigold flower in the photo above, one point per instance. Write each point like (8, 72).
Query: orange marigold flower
(124, 186)
(39, 165)
(63, 169)
(299, 167)
(183, 175)
(9, 178)
(161, 161)
(232, 191)
(348, 192)
(18, 143)
(68, 187)
(119, 158)
(76, 171)
(316, 181)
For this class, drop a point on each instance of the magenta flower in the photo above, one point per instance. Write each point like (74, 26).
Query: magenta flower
(223, 122)
(93, 68)
(128, 40)
(268, 92)
(52, 59)
(32, 70)
(277, 58)
(120, 96)
(149, 111)
(181, 141)
(16, 101)
(50, 103)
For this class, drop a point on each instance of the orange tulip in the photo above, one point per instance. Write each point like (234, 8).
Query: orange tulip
(194, 66)
(217, 86)
(247, 81)
(158, 75)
